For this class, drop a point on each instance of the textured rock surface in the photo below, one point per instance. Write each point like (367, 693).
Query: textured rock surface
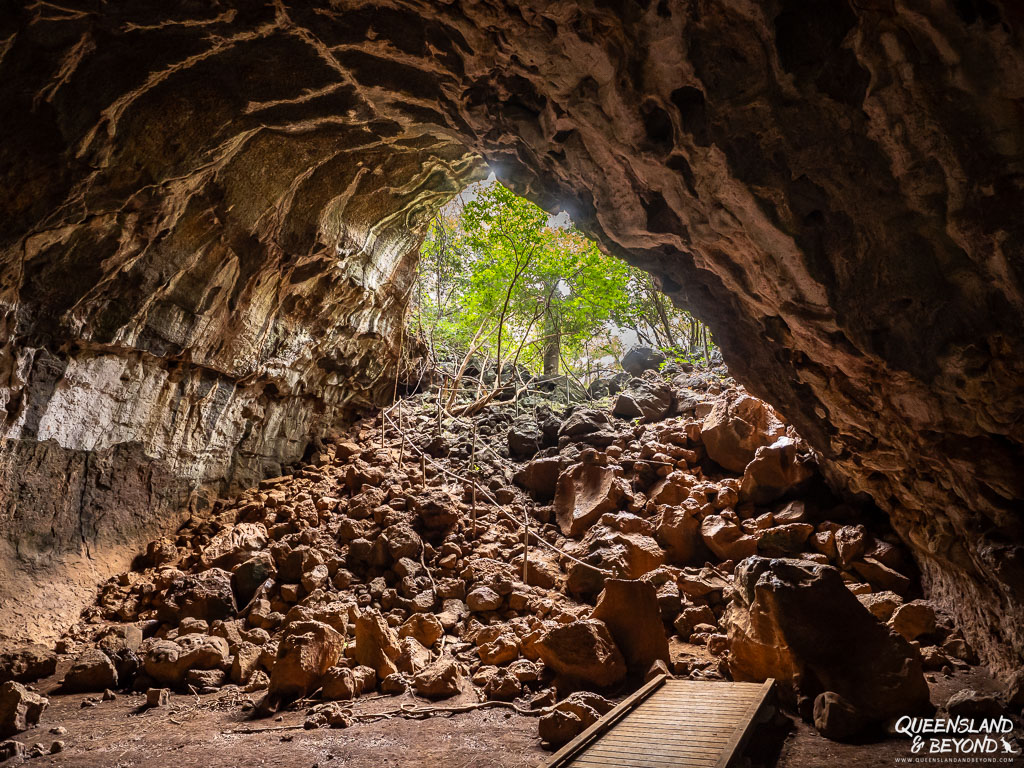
(209, 214)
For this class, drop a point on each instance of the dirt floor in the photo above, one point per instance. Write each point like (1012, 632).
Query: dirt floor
(211, 732)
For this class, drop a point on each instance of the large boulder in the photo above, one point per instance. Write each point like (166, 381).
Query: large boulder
(584, 652)
(774, 471)
(735, 428)
(679, 531)
(27, 664)
(92, 670)
(631, 612)
(440, 680)
(167, 661)
(648, 398)
(376, 643)
(797, 622)
(524, 438)
(589, 426)
(208, 596)
(726, 539)
(20, 708)
(306, 651)
(234, 545)
(539, 478)
(640, 358)
(585, 491)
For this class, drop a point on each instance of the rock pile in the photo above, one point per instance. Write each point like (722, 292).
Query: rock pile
(528, 554)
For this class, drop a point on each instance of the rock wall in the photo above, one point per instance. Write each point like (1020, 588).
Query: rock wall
(209, 212)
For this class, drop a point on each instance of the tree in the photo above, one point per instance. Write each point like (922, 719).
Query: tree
(499, 279)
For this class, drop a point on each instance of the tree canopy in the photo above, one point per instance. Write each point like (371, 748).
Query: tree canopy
(502, 280)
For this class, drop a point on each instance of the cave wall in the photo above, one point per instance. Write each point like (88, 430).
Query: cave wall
(210, 210)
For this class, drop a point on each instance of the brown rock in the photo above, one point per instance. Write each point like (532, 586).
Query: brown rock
(304, 654)
(27, 664)
(339, 684)
(20, 708)
(559, 727)
(787, 539)
(648, 398)
(726, 539)
(881, 576)
(913, 619)
(836, 718)
(412, 656)
(797, 622)
(425, 627)
(881, 604)
(584, 493)
(679, 531)
(583, 651)
(91, 671)
(736, 428)
(539, 478)
(774, 471)
(630, 611)
(376, 643)
(441, 680)
(234, 545)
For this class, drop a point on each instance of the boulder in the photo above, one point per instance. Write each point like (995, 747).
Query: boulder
(559, 727)
(20, 708)
(234, 545)
(425, 627)
(524, 438)
(782, 540)
(339, 684)
(735, 428)
(641, 358)
(881, 576)
(412, 656)
(913, 619)
(589, 426)
(679, 532)
(836, 718)
(618, 553)
(881, 604)
(304, 654)
(539, 478)
(91, 671)
(208, 596)
(251, 575)
(972, 704)
(774, 471)
(435, 508)
(726, 539)
(630, 611)
(376, 643)
(797, 622)
(648, 398)
(584, 492)
(583, 651)
(483, 598)
(27, 664)
(441, 680)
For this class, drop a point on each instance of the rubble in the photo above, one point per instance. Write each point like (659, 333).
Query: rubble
(560, 546)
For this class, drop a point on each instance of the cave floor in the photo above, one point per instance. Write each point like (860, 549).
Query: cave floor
(204, 732)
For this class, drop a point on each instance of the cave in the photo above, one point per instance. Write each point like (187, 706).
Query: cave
(211, 218)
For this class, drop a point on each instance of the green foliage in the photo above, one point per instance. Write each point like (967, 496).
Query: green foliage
(495, 271)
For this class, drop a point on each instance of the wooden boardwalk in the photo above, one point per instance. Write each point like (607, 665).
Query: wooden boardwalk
(670, 723)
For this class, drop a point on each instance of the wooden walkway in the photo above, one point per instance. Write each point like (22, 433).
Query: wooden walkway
(670, 723)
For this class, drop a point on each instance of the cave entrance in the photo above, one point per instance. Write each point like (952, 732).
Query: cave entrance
(508, 293)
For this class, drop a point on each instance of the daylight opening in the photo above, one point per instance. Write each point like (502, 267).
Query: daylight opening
(507, 294)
